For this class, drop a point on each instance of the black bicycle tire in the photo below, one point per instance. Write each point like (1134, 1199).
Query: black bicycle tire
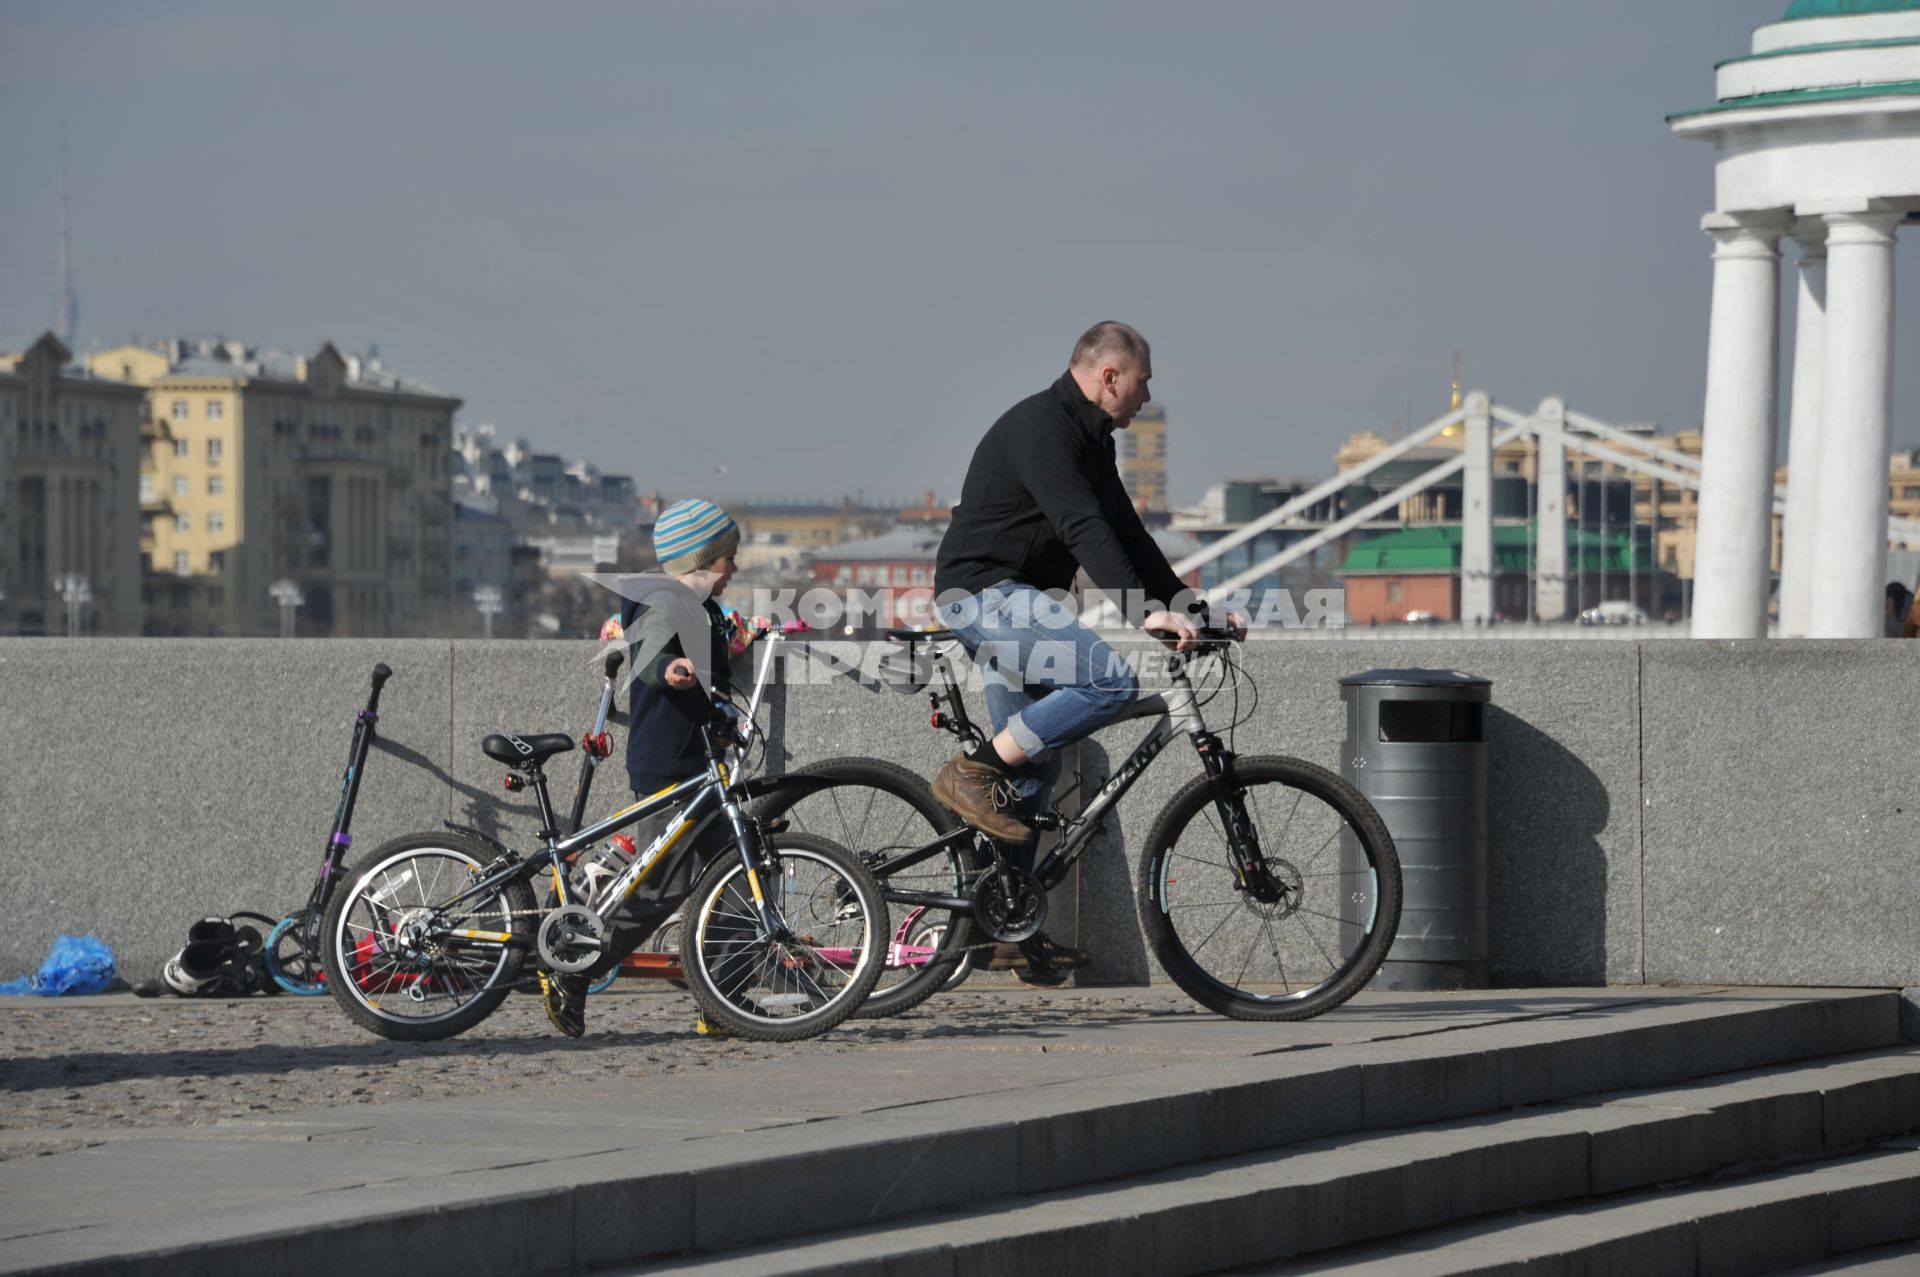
(715, 1007)
(911, 788)
(1358, 968)
(520, 903)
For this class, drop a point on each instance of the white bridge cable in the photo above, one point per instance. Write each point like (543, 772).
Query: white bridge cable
(1900, 531)
(1319, 493)
(1307, 545)
(1592, 426)
(1582, 434)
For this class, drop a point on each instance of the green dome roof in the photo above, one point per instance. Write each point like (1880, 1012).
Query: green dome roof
(1846, 8)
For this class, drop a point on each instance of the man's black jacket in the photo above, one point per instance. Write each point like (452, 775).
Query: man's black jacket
(1041, 498)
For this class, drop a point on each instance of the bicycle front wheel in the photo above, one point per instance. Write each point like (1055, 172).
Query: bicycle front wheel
(878, 810)
(806, 972)
(406, 963)
(1338, 885)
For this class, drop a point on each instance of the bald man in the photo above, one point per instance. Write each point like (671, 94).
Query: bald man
(1043, 499)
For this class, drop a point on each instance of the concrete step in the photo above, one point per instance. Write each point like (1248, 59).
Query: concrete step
(1901, 1259)
(582, 1195)
(1338, 1191)
(1766, 1223)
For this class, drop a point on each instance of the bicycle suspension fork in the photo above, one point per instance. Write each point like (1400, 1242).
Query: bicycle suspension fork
(1229, 802)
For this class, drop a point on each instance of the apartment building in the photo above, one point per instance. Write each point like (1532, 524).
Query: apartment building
(260, 467)
(69, 494)
(1142, 456)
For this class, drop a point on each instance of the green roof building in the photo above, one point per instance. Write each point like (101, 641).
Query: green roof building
(1416, 572)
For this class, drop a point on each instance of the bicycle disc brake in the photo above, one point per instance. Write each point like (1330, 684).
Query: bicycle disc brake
(572, 939)
(1010, 914)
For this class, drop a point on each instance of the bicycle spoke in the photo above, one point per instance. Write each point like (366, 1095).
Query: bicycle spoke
(1200, 860)
(1210, 935)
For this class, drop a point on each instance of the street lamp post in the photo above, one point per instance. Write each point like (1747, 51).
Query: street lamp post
(77, 592)
(287, 594)
(487, 599)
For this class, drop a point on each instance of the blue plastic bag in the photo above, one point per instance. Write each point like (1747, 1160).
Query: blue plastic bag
(77, 964)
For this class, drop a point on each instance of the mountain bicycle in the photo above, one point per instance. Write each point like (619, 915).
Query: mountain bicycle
(784, 937)
(1269, 888)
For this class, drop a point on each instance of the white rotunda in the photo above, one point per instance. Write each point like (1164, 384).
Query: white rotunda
(1816, 135)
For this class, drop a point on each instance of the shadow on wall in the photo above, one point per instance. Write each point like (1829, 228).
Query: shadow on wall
(478, 808)
(1547, 884)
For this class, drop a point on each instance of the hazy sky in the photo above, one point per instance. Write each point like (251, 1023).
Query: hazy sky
(826, 244)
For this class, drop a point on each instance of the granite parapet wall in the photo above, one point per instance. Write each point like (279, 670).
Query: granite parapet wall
(1662, 811)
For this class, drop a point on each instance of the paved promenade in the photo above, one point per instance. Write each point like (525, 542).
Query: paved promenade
(130, 1126)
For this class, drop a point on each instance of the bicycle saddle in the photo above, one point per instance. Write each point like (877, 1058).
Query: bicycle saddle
(525, 751)
(920, 636)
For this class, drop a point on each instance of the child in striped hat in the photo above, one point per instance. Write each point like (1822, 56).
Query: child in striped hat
(695, 542)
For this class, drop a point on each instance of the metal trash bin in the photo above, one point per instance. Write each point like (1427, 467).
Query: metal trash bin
(1417, 748)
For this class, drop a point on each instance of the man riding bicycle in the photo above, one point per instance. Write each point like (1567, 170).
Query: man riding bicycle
(1041, 500)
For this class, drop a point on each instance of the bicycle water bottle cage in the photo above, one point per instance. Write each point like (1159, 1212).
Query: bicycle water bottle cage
(525, 751)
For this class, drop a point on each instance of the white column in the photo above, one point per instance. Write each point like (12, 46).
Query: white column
(1736, 466)
(1550, 539)
(1856, 428)
(1803, 435)
(1476, 514)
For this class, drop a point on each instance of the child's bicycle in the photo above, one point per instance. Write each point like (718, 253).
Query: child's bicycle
(293, 946)
(785, 932)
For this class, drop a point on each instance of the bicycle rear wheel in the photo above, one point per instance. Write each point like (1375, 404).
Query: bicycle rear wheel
(811, 973)
(1302, 954)
(404, 963)
(877, 810)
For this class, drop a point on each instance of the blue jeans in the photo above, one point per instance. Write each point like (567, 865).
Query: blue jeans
(1049, 679)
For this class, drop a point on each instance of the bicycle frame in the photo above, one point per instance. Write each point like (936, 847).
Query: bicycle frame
(720, 785)
(1176, 710)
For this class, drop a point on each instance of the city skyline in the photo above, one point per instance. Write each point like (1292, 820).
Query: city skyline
(669, 241)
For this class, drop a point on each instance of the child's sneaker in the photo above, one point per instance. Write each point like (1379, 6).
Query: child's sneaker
(565, 997)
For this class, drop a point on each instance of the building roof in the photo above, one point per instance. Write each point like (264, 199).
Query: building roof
(284, 366)
(1175, 545)
(899, 546)
(1436, 548)
(1845, 8)
(1822, 51)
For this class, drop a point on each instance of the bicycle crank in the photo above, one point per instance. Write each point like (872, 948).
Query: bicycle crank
(1010, 907)
(572, 939)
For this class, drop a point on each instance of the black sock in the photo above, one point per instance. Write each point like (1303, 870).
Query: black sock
(984, 752)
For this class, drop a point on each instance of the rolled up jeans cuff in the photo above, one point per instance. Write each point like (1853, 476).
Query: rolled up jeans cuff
(1030, 745)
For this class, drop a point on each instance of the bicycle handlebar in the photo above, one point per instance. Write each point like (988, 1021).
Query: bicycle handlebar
(612, 663)
(1212, 637)
(380, 676)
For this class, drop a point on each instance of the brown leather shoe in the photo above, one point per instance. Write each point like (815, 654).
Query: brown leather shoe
(1039, 957)
(1005, 957)
(974, 791)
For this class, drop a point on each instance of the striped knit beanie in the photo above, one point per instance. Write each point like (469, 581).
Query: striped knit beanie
(693, 533)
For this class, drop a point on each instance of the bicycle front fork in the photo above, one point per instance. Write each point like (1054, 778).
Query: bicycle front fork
(1243, 840)
(763, 870)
